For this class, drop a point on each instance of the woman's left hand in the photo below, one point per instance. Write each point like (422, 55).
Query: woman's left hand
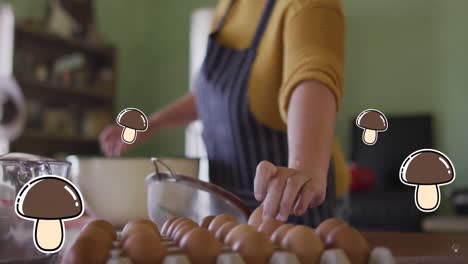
(285, 190)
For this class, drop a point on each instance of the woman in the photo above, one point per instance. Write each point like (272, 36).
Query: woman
(267, 95)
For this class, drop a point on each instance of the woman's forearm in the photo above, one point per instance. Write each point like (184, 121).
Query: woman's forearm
(179, 113)
(311, 123)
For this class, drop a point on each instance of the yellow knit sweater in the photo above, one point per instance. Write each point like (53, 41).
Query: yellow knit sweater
(304, 40)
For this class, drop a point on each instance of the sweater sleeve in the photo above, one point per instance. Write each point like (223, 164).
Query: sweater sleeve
(313, 43)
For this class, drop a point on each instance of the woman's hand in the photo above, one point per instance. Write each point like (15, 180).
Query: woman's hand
(285, 191)
(111, 140)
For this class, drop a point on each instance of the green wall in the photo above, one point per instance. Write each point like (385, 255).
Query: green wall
(34, 9)
(408, 57)
(453, 93)
(153, 42)
(403, 57)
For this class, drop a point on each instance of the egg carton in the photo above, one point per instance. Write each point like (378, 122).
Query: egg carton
(378, 255)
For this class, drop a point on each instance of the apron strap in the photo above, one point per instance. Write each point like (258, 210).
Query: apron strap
(221, 21)
(262, 25)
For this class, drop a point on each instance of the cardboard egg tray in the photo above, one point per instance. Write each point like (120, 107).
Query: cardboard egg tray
(378, 255)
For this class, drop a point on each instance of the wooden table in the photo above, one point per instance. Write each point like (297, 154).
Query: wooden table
(408, 248)
(421, 248)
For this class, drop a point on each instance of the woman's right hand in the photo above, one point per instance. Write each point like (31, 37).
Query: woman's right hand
(111, 142)
(178, 114)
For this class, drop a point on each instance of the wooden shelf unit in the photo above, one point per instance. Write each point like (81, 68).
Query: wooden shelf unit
(44, 48)
(48, 89)
(76, 45)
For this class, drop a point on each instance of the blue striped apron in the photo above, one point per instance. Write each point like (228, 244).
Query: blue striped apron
(235, 141)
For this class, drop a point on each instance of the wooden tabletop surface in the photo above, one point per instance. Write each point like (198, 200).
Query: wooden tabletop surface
(408, 248)
(422, 247)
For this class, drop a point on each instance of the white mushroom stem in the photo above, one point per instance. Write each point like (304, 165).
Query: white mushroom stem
(427, 197)
(48, 234)
(128, 135)
(369, 136)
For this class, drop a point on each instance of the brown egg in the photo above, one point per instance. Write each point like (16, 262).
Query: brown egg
(167, 224)
(183, 229)
(351, 242)
(175, 224)
(206, 221)
(181, 224)
(143, 248)
(218, 221)
(302, 241)
(133, 227)
(224, 230)
(279, 233)
(96, 233)
(104, 225)
(237, 232)
(146, 222)
(269, 226)
(254, 247)
(87, 249)
(256, 218)
(326, 226)
(201, 246)
(149, 223)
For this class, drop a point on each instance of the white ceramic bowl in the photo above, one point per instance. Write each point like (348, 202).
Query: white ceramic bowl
(114, 188)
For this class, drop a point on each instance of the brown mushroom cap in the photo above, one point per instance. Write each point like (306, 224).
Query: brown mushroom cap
(49, 198)
(132, 118)
(427, 167)
(372, 119)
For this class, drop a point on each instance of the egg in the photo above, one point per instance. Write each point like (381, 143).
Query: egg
(182, 229)
(104, 225)
(256, 217)
(167, 224)
(145, 222)
(351, 242)
(326, 226)
(268, 226)
(254, 247)
(175, 224)
(144, 248)
(279, 233)
(149, 223)
(97, 233)
(302, 241)
(89, 247)
(133, 227)
(237, 232)
(205, 223)
(181, 224)
(201, 246)
(218, 221)
(224, 230)
(83, 251)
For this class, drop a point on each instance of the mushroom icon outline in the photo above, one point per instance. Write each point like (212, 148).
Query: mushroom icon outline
(133, 121)
(372, 121)
(427, 170)
(48, 201)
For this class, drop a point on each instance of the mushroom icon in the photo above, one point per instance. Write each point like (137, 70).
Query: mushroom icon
(49, 200)
(372, 121)
(132, 120)
(427, 169)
